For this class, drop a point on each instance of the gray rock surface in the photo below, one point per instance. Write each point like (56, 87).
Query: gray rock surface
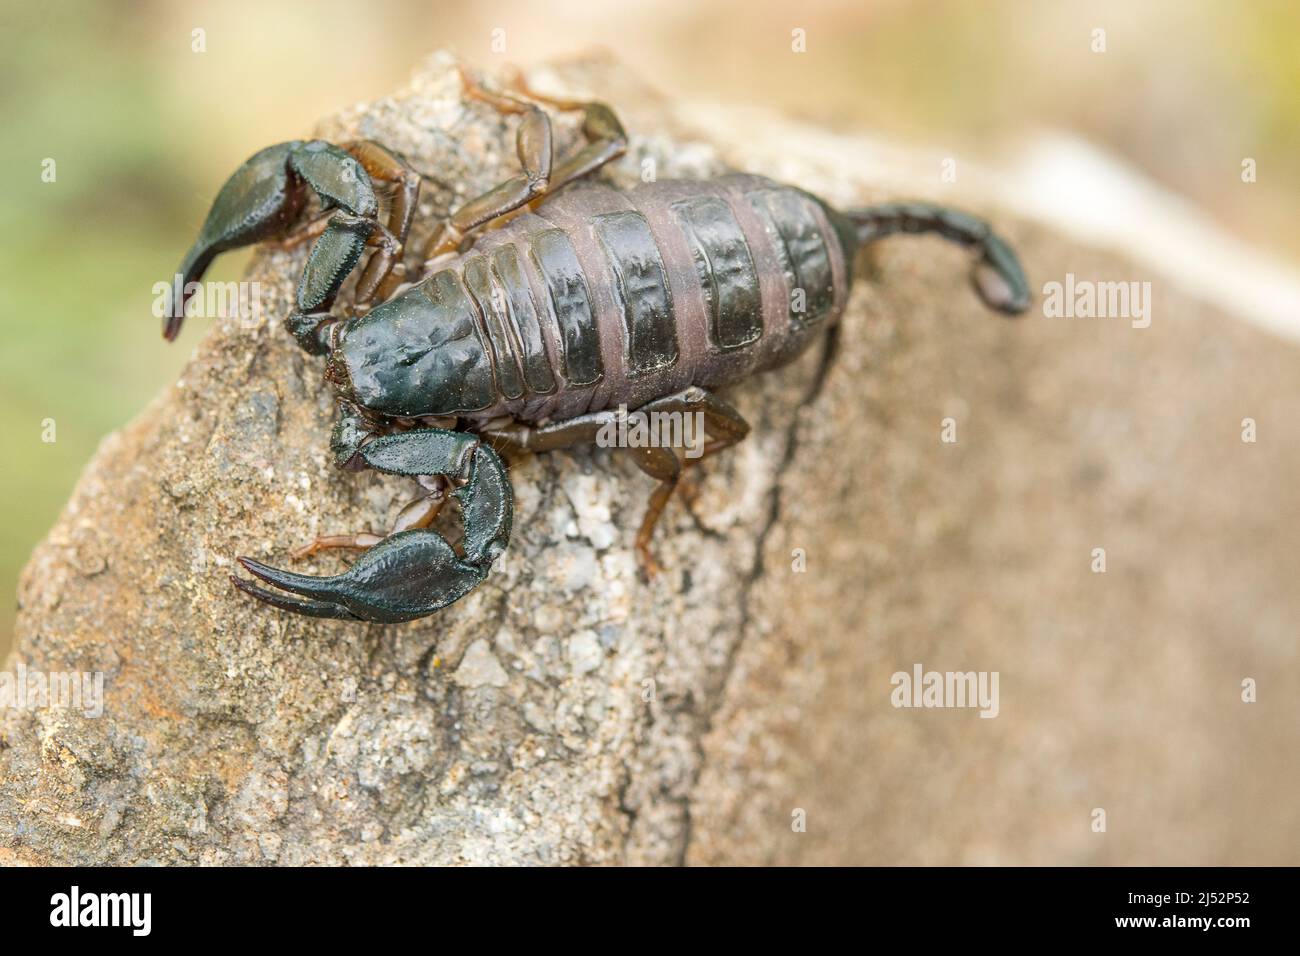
(566, 712)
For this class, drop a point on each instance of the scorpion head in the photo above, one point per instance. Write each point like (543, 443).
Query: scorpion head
(418, 355)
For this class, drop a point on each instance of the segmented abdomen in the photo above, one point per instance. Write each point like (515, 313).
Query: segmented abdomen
(602, 297)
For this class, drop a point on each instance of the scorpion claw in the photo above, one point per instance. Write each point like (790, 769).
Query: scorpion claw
(409, 574)
(286, 603)
(263, 199)
(257, 202)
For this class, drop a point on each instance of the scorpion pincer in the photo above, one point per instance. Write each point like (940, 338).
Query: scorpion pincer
(527, 337)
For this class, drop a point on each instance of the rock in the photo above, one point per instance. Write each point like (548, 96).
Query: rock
(566, 712)
(479, 668)
(585, 653)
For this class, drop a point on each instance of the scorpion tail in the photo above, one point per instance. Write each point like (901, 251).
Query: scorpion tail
(997, 277)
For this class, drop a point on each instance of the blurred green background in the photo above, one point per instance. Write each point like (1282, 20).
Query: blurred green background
(144, 130)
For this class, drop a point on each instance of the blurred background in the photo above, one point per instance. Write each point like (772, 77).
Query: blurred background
(143, 130)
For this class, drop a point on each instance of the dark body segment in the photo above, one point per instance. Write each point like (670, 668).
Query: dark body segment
(498, 323)
(725, 269)
(649, 324)
(802, 247)
(579, 334)
(710, 303)
(524, 319)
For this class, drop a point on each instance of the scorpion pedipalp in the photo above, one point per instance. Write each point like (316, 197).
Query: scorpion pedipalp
(412, 573)
(408, 575)
(259, 201)
(263, 200)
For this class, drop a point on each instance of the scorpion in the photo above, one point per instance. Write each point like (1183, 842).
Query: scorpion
(537, 310)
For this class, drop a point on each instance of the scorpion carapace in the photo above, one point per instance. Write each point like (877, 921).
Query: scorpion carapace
(531, 336)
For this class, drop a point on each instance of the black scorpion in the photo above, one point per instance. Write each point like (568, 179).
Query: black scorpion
(534, 335)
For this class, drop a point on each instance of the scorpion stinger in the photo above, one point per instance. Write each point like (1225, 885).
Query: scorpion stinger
(411, 573)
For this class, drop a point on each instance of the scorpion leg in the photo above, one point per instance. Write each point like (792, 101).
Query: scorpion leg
(606, 138)
(533, 146)
(722, 423)
(724, 426)
(606, 141)
(384, 270)
(997, 277)
(338, 542)
(414, 572)
(307, 234)
(420, 513)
